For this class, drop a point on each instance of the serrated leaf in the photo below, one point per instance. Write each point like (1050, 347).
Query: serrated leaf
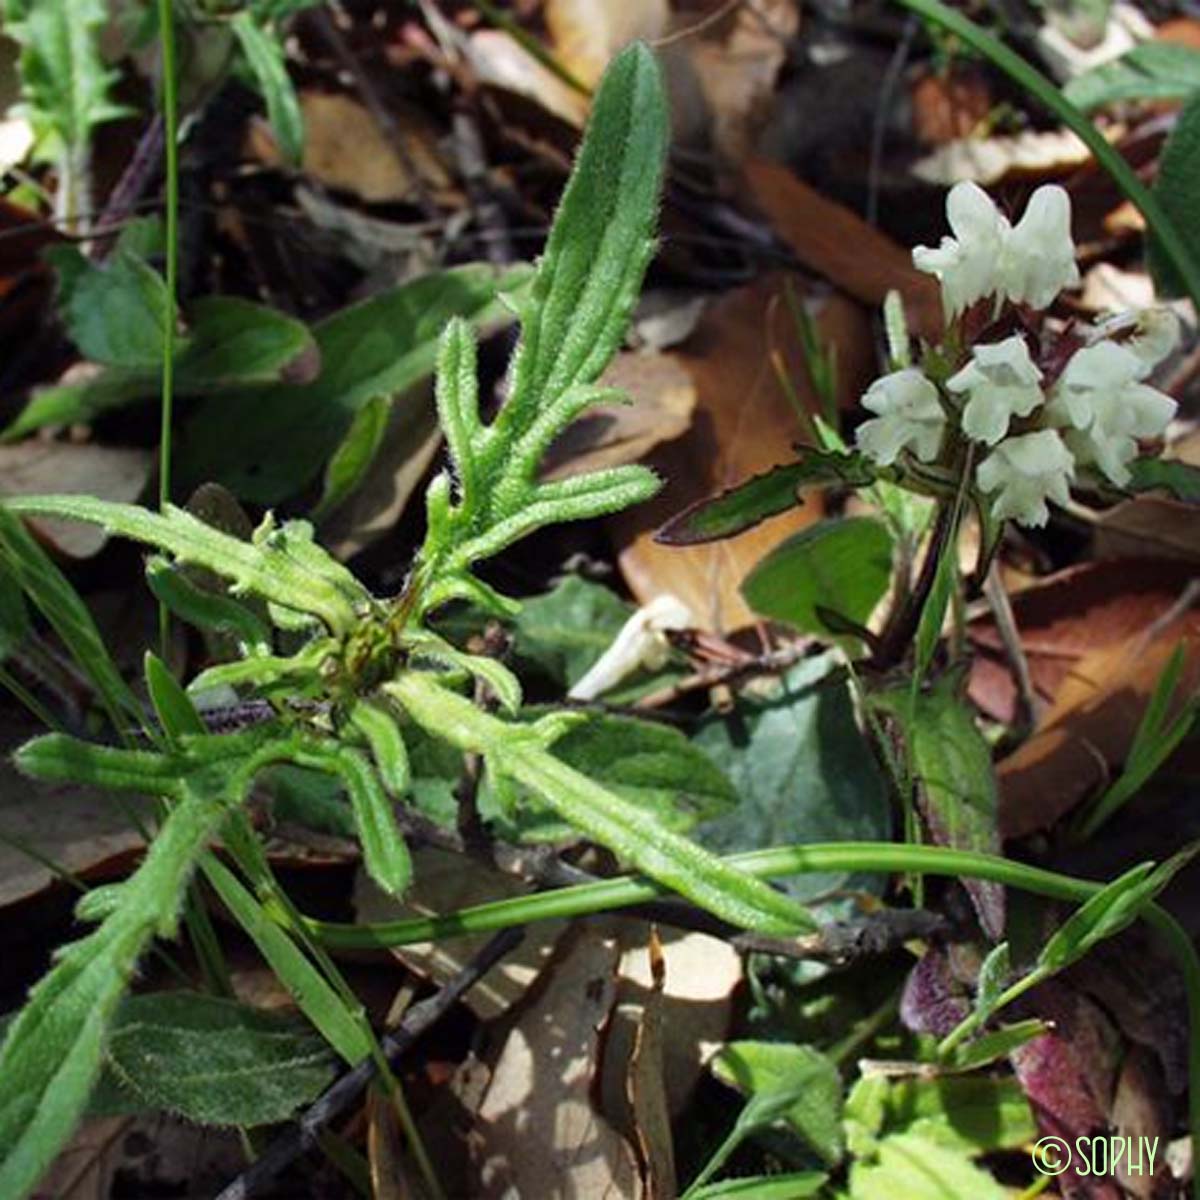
(650, 765)
(379, 347)
(51, 1054)
(775, 491)
(842, 566)
(918, 1168)
(1151, 71)
(264, 53)
(214, 1061)
(776, 1072)
(280, 568)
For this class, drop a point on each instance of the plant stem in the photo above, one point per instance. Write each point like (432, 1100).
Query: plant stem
(969, 1024)
(1047, 93)
(170, 117)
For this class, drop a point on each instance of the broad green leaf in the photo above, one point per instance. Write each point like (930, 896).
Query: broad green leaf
(232, 342)
(264, 53)
(378, 348)
(284, 566)
(213, 1061)
(803, 772)
(1151, 71)
(27, 564)
(842, 566)
(1177, 189)
(973, 1113)
(51, 1055)
(672, 860)
(651, 765)
(350, 462)
(568, 628)
(765, 1069)
(65, 84)
(795, 1185)
(114, 312)
(915, 1168)
(956, 782)
(307, 986)
(1180, 479)
(744, 506)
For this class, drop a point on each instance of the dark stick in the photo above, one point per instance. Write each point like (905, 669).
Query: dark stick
(344, 1094)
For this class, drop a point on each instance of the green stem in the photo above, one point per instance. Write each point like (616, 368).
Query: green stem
(170, 112)
(968, 1025)
(1044, 90)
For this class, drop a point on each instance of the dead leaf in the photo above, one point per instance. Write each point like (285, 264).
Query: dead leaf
(36, 466)
(663, 398)
(584, 35)
(537, 1131)
(949, 105)
(1149, 525)
(385, 1150)
(444, 882)
(1084, 738)
(737, 62)
(501, 62)
(840, 246)
(344, 148)
(743, 424)
(1065, 616)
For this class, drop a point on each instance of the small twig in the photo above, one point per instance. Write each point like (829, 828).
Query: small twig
(125, 198)
(344, 1094)
(1010, 639)
(770, 662)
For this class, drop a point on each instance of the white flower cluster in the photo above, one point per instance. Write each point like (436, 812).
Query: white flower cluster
(1091, 415)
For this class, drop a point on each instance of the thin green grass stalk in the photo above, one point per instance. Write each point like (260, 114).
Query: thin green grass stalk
(1048, 94)
(170, 113)
(21, 693)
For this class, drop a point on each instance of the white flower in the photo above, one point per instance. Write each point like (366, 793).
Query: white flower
(910, 415)
(641, 642)
(966, 263)
(1151, 334)
(1039, 256)
(1002, 383)
(1027, 471)
(1100, 398)
(1030, 264)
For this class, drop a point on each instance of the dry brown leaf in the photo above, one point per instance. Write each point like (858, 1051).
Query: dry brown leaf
(1149, 525)
(743, 424)
(839, 245)
(537, 1132)
(37, 466)
(736, 62)
(344, 148)
(385, 1150)
(663, 399)
(949, 105)
(1084, 738)
(584, 35)
(1067, 615)
(444, 882)
(499, 61)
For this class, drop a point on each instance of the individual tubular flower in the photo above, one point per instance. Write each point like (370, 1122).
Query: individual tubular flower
(1027, 471)
(1002, 382)
(1100, 399)
(965, 264)
(1038, 260)
(910, 416)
